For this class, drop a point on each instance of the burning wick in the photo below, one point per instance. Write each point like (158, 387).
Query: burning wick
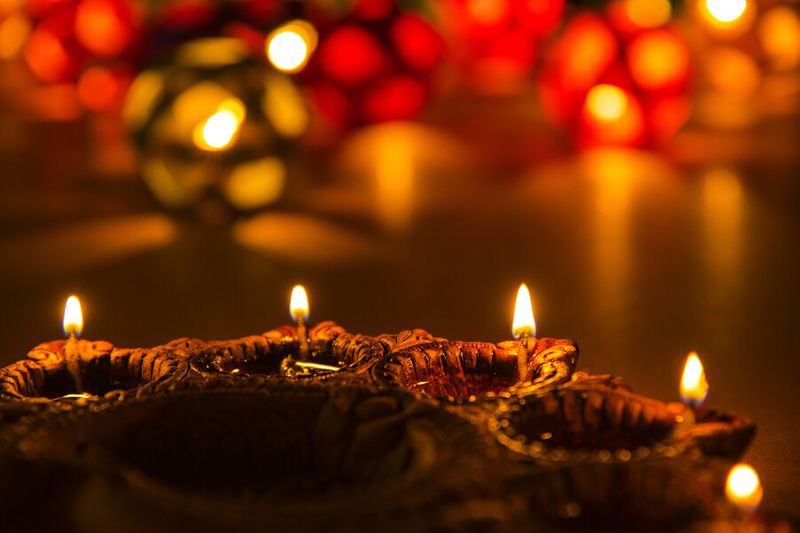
(743, 488)
(694, 387)
(73, 326)
(524, 329)
(298, 307)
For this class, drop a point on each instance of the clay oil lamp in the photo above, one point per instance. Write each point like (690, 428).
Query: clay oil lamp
(80, 370)
(460, 372)
(300, 352)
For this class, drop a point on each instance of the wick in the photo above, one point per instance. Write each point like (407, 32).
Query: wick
(522, 355)
(72, 359)
(302, 336)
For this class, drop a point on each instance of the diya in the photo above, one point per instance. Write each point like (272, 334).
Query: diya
(318, 428)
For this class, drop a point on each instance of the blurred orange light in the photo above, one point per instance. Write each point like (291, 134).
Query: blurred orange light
(779, 31)
(13, 32)
(587, 48)
(99, 27)
(47, 58)
(743, 488)
(487, 11)
(657, 60)
(732, 72)
(98, 88)
(607, 102)
(648, 13)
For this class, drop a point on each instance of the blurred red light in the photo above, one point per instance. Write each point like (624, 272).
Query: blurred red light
(417, 43)
(351, 55)
(397, 98)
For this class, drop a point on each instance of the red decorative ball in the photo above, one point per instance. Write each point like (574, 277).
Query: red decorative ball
(607, 87)
(373, 64)
(496, 42)
(88, 43)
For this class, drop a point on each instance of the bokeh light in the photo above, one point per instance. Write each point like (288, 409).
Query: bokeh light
(290, 46)
(648, 13)
(607, 102)
(658, 60)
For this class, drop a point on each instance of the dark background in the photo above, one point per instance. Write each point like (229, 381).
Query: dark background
(640, 257)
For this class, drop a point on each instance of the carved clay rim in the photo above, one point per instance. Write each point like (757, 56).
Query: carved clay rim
(281, 342)
(549, 372)
(499, 424)
(147, 368)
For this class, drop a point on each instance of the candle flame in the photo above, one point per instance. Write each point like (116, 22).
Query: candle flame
(73, 317)
(524, 324)
(298, 304)
(743, 488)
(218, 131)
(290, 46)
(694, 387)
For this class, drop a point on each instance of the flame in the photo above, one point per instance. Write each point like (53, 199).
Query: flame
(290, 46)
(219, 130)
(524, 325)
(725, 11)
(298, 304)
(694, 387)
(743, 488)
(73, 317)
(607, 102)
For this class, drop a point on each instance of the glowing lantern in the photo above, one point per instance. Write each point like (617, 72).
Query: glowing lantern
(495, 42)
(606, 90)
(214, 128)
(743, 488)
(374, 63)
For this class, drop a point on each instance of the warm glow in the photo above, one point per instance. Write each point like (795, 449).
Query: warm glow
(694, 387)
(14, 30)
(290, 46)
(779, 31)
(73, 317)
(725, 10)
(487, 12)
(219, 130)
(648, 13)
(658, 59)
(607, 102)
(298, 304)
(100, 28)
(743, 488)
(524, 325)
